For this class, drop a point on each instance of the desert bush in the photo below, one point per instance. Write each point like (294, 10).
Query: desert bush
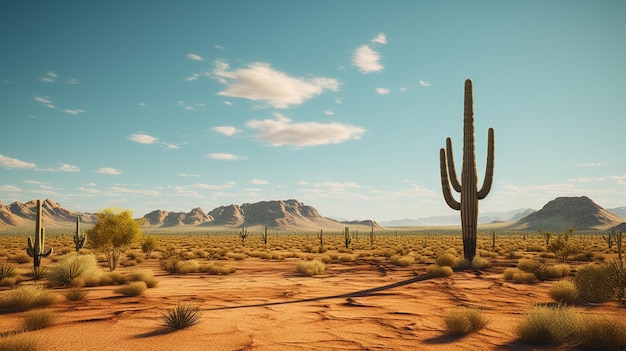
(182, 316)
(602, 334)
(132, 289)
(112, 278)
(462, 321)
(594, 283)
(564, 292)
(145, 276)
(310, 268)
(26, 297)
(75, 294)
(519, 276)
(402, 261)
(185, 267)
(557, 271)
(435, 270)
(479, 263)
(7, 270)
(216, 268)
(548, 325)
(37, 319)
(72, 266)
(21, 258)
(447, 259)
(19, 342)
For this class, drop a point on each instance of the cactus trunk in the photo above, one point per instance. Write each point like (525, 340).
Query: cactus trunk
(468, 187)
(36, 247)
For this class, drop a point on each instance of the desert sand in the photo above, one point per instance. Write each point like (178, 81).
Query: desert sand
(267, 305)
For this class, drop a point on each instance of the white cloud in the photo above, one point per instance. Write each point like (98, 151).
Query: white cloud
(69, 168)
(171, 146)
(282, 131)
(424, 84)
(383, 91)
(367, 59)
(143, 104)
(47, 102)
(9, 188)
(380, 39)
(197, 75)
(228, 103)
(120, 190)
(142, 138)
(187, 107)
(203, 186)
(194, 57)
(337, 185)
(49, 77)
(10, 163)
(329, 113)
(591, 164)
(73, 81)
(108, 170)
(259, 182)
(259, 82)
(73, 112)
(222, 156)
(44, 100)
(226, 130)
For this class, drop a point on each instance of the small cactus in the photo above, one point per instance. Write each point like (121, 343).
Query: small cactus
(79, 238)
(36, 247)
(320, 237)
(610, 238)
(243, 234)
(264, 234)
(347, 238)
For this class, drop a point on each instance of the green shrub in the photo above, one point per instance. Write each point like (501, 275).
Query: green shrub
(310, 268)
(564, 292)
(73, 266)
(602, 334)
(447, 259)
(26, 297)
(402, 261)
(37, 319)
(548, 325)
(20, 342)
(182, 316)
(462, 321)
(435, 270)
(132, 289)
(594, 283)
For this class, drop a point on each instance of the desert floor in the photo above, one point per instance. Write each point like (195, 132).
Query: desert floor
(267, 305)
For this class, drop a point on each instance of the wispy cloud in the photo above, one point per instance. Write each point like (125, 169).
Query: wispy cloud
(283, 131)
(49, 77)
(9, 188)
(197, 75)
(591, 164)
(380, 39)
(424, 83)
(142, 192)
(142, 138)
(73, 112)
(222, 156)
(194, 57)
(73, 81)
(260, 82)
(204, 186)
(383, 91)
(226, 130)
(69, 168)
(108, 170)
(47, 102)
(259, 182)
(13, 163)
(367, 60)
(188, 107)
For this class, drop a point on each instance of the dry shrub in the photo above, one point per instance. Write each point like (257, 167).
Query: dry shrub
(436, 270)
(216, 268)
(75, 294)
(145, 276)
(71, 267)
(310, 268)
(557, 271)
(181, 317)
(37, 319)
(26, 297)
(462, 321)
(132, 289)
(185, 267)
(519, 276)
(564, 291)
(602, 334)
(548, 325)
(112, 278)
(20, 342)
(594, 283)
(402, 261)
(447, 259)
(479, 263)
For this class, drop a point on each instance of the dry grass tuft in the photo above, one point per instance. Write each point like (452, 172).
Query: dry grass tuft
(462, 321)
(310, 268)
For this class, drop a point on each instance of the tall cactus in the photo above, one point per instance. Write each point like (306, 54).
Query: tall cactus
(36, 247)
(468, 186)
(346, 237)
(79, 238)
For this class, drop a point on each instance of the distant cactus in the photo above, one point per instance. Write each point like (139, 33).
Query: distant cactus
(468, 205)
(264, 234)
(610, 238)
(320, 237)
(372, 235)
(79, 238)
(36, 247)
(243, 234)
(347, 239)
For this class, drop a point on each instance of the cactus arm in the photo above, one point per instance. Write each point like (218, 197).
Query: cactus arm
(31, 249)
(484, 190)
(454, 180)
(445, 185)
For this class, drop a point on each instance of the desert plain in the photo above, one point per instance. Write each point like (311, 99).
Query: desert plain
(361, 301)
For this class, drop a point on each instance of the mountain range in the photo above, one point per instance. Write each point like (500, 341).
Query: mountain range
(580, 213)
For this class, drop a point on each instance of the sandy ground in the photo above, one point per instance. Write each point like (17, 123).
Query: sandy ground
(266, 305)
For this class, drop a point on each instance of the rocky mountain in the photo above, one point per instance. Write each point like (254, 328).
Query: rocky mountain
(54, 215)
(580, 213)
(158, 218)
(455, 219)
(368, 223)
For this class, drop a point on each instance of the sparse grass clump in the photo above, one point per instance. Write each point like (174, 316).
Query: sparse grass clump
(594, 283)
(145, 276)
(26, 297)
(436, 270)
(132, 289)
(20, 342)
(310, 268)
(602, 334)
(463, 321)
(37, 319)
(479, 263)
(216, 268)
(548, 325)
(75, 294)
(564, 291)
(402, 261)
(73, 266)
(182, 316)
(447, 259)
(519, 276)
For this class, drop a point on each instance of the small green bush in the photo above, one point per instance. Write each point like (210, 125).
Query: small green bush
(435, 270)
(182, 316)
(26, 297)
(462, 321)
(310, 268)
(564, 292)
(132, 289)
(37, 319)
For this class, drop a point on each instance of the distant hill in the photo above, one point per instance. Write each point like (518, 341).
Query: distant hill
(619, 211)
(455, 219)
(20, 214)
(580, 213)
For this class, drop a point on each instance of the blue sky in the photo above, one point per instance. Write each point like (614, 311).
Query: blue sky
(342, 105)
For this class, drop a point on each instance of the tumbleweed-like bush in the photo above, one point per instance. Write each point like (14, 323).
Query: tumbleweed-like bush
(182, 316)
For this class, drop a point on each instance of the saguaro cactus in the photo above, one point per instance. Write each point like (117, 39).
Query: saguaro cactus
(346, 237)
(468, 186)
(79, 238)
(36, 247)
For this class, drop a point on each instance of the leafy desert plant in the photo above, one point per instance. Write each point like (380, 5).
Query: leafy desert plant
(310, 268)
(148, 245)
(113, 232)
(182, 316)
(564, 292)
(37, 319)
(462, 321)
(132, 289)
(26, 297)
